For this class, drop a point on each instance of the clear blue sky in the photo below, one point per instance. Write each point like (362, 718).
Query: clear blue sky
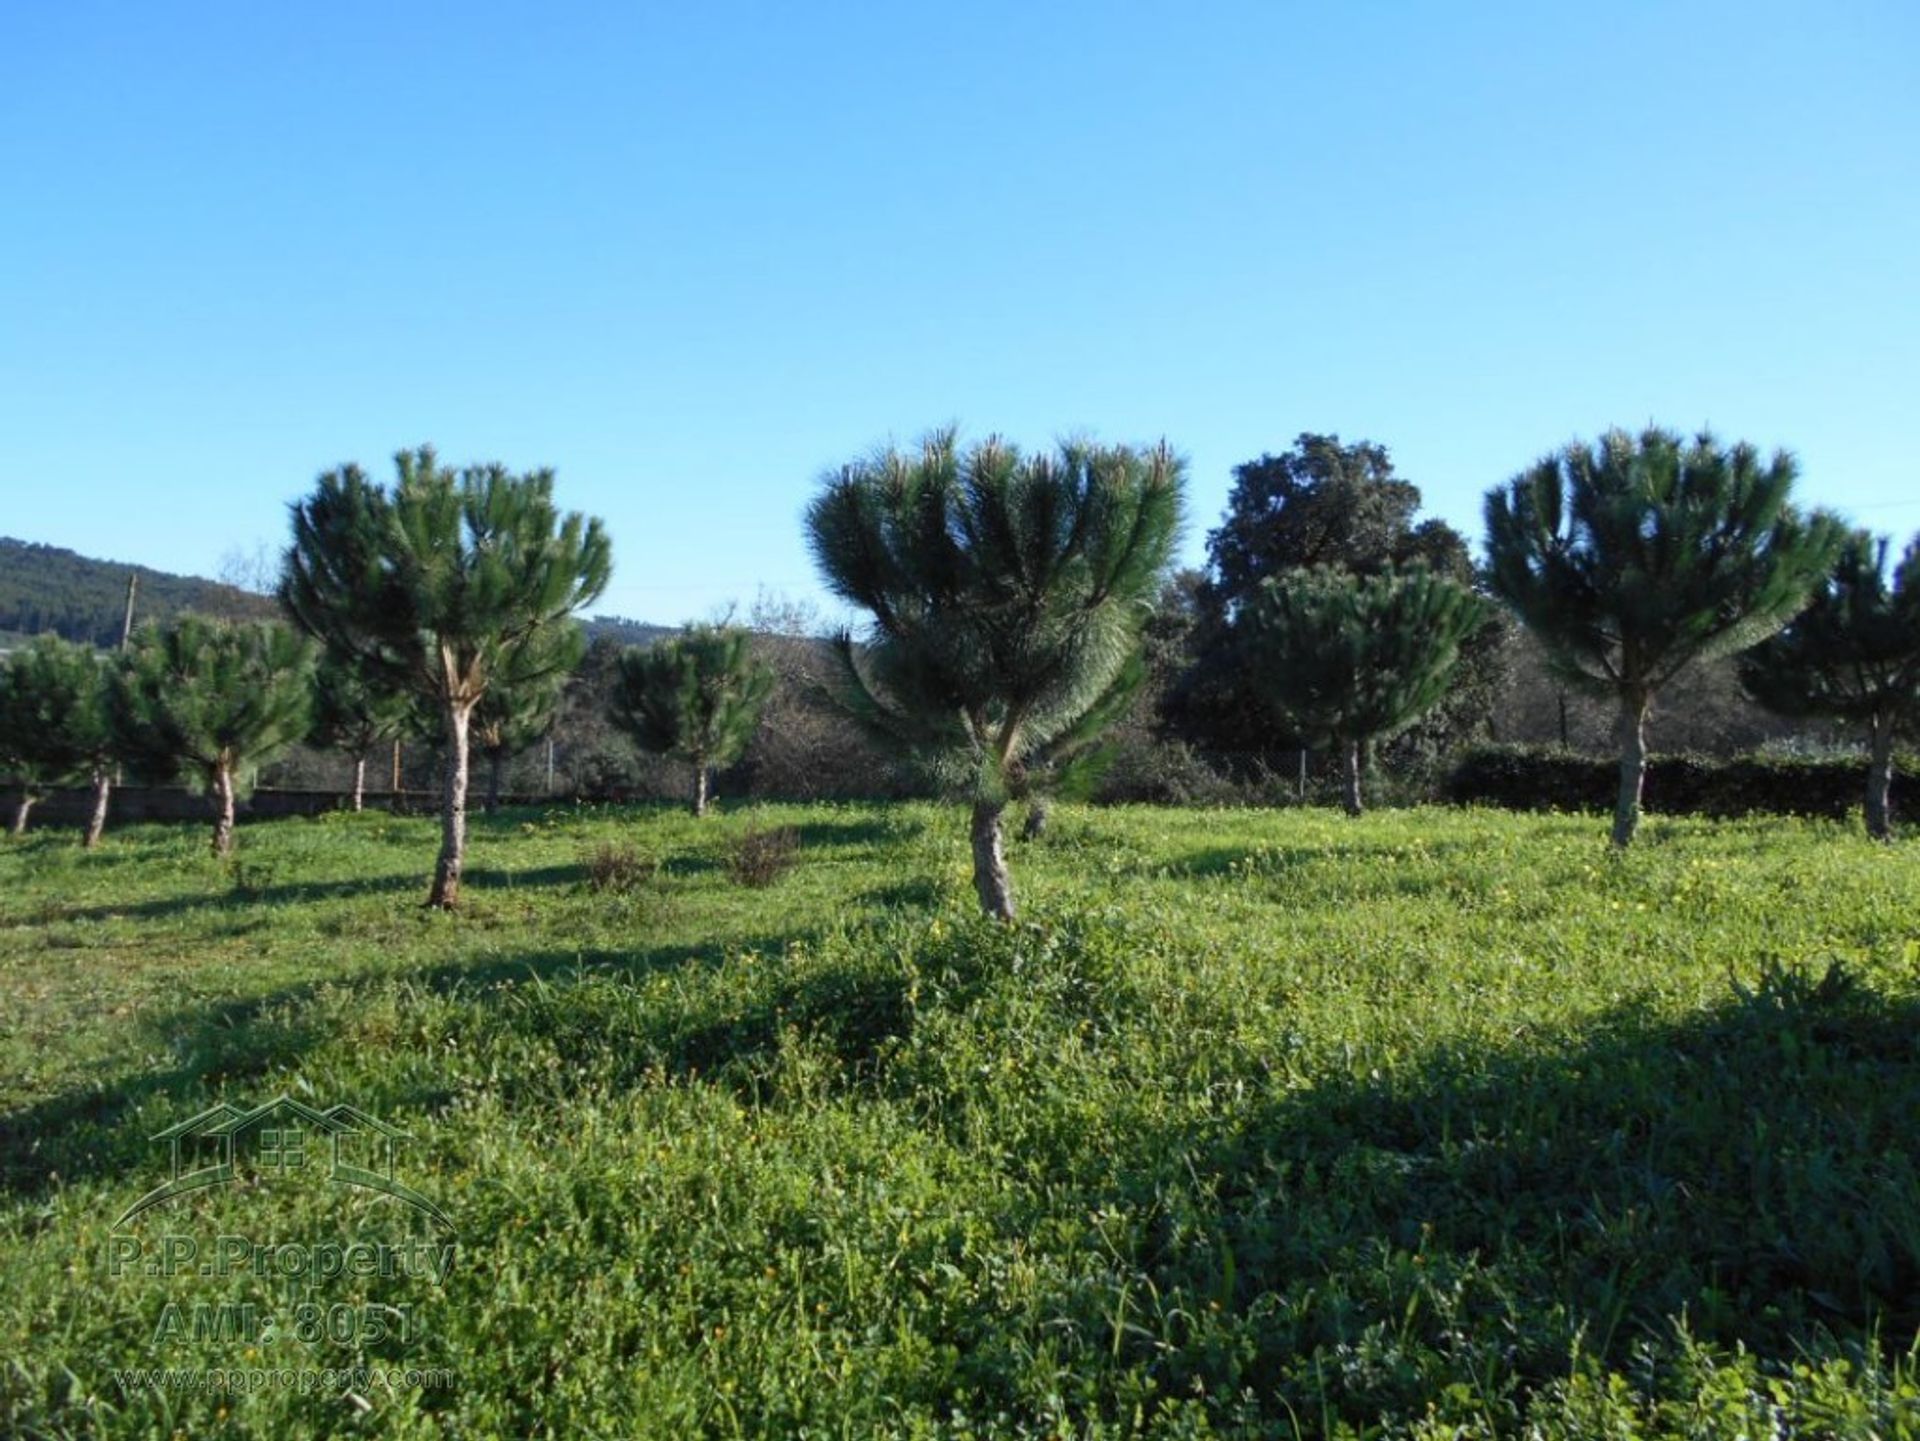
(690, 255)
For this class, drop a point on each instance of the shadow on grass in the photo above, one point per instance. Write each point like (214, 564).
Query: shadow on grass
(221, 1047)
(1487, 1214)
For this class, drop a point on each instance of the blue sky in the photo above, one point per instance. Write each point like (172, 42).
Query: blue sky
(691, 255)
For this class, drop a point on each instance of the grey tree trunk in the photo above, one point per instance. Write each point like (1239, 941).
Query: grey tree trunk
(1880, 781)
(990, 879)
(359, 783)
(97, 817)
(1350, 763)
(1633, 767)
(20, 813)
(495, 765)
(222, 811)
(453, 812)
(699, 787)
(1039, 812)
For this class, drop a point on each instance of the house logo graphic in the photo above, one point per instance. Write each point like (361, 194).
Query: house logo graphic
(282, 1136)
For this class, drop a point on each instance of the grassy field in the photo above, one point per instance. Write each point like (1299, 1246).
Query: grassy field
(1257, 1124)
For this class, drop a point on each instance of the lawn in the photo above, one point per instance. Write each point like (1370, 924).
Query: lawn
(1256, 1124)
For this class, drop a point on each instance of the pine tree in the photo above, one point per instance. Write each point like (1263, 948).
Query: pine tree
(1008, 594)
(354, 713)
(1345, 660)
(1854, 655)
(697, 695)
(53, 724)
(439, 586)
(519, 710)
(212, 702)
(1635, 557)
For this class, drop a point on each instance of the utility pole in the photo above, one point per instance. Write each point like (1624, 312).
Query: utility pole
(549, 765)
(396, 768)
(126, 625)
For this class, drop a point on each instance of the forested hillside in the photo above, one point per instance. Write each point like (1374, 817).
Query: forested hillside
(44, 588)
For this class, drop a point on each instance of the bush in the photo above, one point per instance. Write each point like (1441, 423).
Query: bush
(762, 857)
(1548, 778)
(618, 869)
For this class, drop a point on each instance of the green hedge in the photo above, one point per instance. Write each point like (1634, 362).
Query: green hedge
(1539, 778)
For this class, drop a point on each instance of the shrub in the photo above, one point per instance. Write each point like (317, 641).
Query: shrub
(1549, 778)
(618, 869)
(762, 857)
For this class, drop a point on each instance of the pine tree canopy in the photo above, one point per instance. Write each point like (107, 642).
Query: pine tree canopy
(1342, 658)
(1854, 652)
(1008, 592)
(521, 703)
(1634, 557)
(53, 713)
(351, 712)
(198, 696)
(439, 584)
(697, 695)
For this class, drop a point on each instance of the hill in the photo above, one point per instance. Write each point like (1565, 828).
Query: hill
(44, 588)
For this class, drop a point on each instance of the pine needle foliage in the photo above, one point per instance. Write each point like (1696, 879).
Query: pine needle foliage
(438, 586)
(697, 695)
(1632, 558)
(1345, 660)
(1852, 655)
(353, 713)
(1008, 593)
(210, 703)
(53, 719)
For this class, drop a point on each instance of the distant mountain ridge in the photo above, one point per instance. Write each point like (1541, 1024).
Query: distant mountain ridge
(46, 588)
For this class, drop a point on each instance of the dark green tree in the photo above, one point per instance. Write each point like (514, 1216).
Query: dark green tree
(697, 695)
(1008, 594)
(212, 702)
(1635, 557)
(519, 710)
(438, 586)
(1345, 660)
(1323, 502)
(1853, 655)
(354, 713)
(53, 725)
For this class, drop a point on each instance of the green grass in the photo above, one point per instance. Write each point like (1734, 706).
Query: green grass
(1257, 1124)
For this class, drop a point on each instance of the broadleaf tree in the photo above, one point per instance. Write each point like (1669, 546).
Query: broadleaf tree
(697, 695)
(1007, 594)
(211, 702)
(1634, 557)
(1344, 660)
(53, 726)
(438, 586)
(1852, 655)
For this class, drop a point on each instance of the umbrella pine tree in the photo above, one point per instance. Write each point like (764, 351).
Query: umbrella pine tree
(1635, 557)
(1007, 595)
(1853, 655)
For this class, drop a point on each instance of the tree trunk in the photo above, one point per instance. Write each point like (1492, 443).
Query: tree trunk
(699, 787)
(359, 783)
(1350, 794)
(453, 812)
(990, 879)
(222, 811)
(1633, 767)
(495, 764)
(20, 812)
(97, 817)
(1039, 810)
(1879, 781)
